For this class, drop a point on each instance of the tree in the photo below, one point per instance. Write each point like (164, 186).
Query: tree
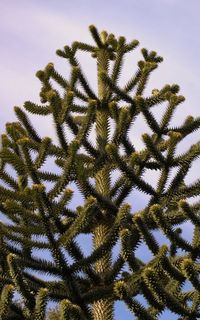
(89, 285)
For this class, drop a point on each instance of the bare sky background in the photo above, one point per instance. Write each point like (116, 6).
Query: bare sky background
(31, 31)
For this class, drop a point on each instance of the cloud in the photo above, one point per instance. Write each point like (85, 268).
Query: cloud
(39, 25)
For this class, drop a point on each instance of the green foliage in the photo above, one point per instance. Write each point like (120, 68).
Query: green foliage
(88, 283)
(53, 314)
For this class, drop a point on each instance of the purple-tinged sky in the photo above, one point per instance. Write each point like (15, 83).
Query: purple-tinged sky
(31, 31)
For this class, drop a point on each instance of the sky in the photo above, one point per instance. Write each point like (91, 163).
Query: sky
(31, 32)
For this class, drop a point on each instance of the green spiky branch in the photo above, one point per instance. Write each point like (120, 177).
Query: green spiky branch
(90, 283)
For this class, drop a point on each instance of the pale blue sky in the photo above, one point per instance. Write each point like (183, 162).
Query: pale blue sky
(31, 31)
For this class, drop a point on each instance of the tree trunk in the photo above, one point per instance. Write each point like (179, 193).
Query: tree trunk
(102, 309)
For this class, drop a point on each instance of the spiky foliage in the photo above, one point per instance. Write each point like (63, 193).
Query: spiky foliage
(90, 283)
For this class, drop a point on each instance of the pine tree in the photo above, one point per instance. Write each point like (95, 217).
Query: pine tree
(37, 218)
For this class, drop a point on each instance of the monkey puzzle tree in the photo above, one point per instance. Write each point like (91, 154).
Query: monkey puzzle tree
(89, 283)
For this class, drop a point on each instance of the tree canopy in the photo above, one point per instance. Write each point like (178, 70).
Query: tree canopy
(89, 283)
